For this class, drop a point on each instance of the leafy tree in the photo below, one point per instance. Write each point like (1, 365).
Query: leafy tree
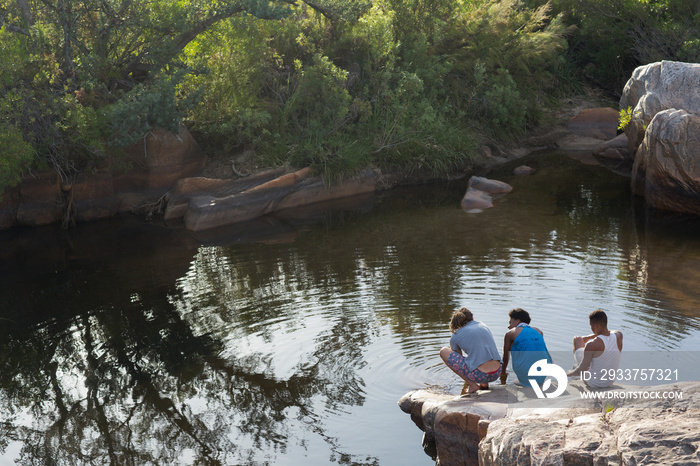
(613, 37)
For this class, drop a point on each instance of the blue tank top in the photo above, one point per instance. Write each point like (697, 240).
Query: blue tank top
(528, 348)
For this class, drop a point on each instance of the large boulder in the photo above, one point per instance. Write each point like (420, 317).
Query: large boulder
(156, 163)
(454, 425)
(160, 159)
(666, 171)
(656, 87)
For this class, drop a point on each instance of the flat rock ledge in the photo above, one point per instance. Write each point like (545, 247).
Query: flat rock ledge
(506, 425)
(205, 203)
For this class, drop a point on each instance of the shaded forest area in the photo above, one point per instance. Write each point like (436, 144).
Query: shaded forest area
(339, 85)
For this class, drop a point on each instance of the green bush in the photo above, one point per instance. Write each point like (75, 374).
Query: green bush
(16, 155)
(613, 37)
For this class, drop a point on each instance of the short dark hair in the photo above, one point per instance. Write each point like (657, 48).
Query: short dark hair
(520, 314)
(598, 317)
(460, 318)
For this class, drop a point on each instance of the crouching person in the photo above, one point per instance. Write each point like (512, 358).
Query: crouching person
(472, 354)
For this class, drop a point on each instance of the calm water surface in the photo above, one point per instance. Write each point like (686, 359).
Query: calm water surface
(289, 341)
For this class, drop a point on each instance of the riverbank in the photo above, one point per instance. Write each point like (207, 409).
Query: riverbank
(173, 177)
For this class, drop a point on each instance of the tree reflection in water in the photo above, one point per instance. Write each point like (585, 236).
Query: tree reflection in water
(130, 370)
(133, 385)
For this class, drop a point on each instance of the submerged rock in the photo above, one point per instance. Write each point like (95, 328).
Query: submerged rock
(523, 170)
(481, 192)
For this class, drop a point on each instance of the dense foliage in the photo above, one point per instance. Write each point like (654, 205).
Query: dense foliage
(336, 84)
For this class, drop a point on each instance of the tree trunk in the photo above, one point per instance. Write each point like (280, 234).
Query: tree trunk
(26, 12)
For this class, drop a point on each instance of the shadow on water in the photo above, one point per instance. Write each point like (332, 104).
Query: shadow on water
(289, 340)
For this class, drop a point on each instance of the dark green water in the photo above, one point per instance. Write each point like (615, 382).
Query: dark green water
(289, 341)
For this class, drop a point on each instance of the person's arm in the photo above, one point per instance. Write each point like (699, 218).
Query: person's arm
(507, 344)
(592, 346)
(453, 344)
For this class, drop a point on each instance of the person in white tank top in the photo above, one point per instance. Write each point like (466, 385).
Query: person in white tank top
(599, 353)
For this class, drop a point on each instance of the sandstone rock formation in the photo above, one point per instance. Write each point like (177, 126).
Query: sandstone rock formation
(656, 87)
(504, 426)
(666, 170)
(665, 431)
(207, 210)
(664, 98)
(157, 161)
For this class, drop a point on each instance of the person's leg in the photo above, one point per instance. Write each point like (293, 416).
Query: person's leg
(578, 342)
(455, 361)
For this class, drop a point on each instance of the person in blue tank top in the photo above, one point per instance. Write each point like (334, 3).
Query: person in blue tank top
(525, 345)
(472, 353)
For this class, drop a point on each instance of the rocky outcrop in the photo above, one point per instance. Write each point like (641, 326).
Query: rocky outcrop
(664, 99)
(666, 170)
(665, 431)
(655, 87)
(504, 426)
(453, 426)
(481, 192)
(155, 162)
(239, 202)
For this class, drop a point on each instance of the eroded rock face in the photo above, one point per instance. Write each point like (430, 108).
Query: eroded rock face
(656, 87)
(93, 196)
(160, 159)
(666, 170)
(157, 162)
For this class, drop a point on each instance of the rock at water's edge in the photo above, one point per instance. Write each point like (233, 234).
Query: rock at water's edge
(655, 87)
(666, 171)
